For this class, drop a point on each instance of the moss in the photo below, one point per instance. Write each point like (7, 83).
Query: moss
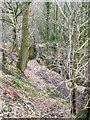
(4, 83)
(16, 81)
(48, 89)
(56, 92)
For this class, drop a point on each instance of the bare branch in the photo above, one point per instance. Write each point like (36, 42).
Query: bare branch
(61, 11)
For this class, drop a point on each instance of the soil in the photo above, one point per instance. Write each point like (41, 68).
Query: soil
(43, 94)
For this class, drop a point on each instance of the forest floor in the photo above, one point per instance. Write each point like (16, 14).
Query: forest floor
(40, 92)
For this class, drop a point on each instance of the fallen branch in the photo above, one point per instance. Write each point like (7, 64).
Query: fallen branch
(10, 92)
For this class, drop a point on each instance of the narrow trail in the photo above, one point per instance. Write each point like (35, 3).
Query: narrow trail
(45, 78)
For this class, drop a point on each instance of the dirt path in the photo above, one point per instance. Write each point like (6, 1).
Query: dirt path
(45, 78)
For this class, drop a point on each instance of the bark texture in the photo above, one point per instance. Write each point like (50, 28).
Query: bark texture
(25, 45)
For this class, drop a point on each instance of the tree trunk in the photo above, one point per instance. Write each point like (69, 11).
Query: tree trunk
(4, 59)
(56, 23)
(25, 45)
(15, 41)
(84, 112)
(47, 19)
(73, 94)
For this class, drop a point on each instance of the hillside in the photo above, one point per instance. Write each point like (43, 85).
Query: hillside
(40, 93)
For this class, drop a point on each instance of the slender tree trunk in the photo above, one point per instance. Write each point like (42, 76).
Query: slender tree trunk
(47, 19)
(56, 29)
(15, 42)
(56, 26)
(4, 60)
(47, 4)
(25, 45)
(71, 76)
(73, 94)
(56, 22)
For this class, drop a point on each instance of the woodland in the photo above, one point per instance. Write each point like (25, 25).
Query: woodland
(44, 60)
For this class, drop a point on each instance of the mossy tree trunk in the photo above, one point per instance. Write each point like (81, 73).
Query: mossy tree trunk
(47, 5)
(15, 42)
(25, 45)
(56, 29)
(56, 23)
(4, 59)
(47, 18)
(15, 22)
